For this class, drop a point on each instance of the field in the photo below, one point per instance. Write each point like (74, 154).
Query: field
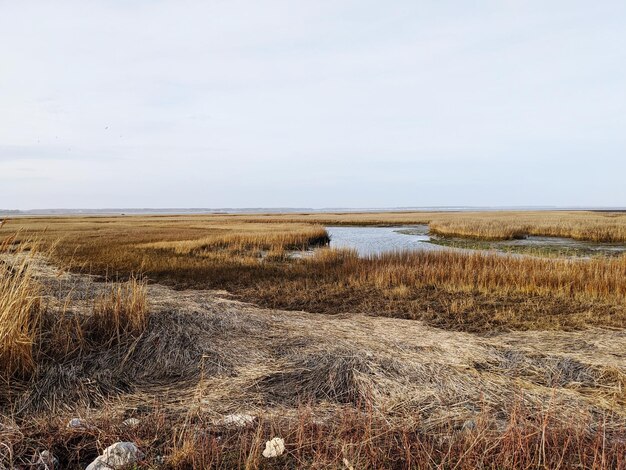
(216, 336)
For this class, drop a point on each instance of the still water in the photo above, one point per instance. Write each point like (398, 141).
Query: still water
(373, 240)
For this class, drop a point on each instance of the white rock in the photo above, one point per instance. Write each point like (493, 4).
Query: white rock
(117, 456)
(237, 420)
(77, 423)
(274, 448)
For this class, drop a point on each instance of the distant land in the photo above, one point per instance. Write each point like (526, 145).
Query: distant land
(288, 210)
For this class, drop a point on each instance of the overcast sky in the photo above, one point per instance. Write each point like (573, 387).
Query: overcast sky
(312, 104)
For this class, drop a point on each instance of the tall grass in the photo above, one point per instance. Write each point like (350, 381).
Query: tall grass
(30, 334)
(301, 239)
(249, 257)
(21, 309)
(597, 227)
(492, 225)
(120, 312)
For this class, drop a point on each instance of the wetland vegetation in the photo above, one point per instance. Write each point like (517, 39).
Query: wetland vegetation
(412, 358)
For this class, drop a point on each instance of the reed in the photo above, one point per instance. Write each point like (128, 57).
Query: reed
(598, 227)
(251, 257)
(353, 391)
(121, 312)
(21, 308)
(31, 334)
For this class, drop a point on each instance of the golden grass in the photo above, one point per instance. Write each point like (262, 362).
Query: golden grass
(278, 239)
(249, 256)
(493, 225)
(351, 390)
(472, 292)
(344, 391)
(20, 314)
(121, 311)
(592, 226)
(29, 334)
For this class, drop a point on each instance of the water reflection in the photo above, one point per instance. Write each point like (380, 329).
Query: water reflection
(373, 240)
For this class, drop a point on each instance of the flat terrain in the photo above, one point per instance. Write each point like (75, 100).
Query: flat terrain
(454, 359)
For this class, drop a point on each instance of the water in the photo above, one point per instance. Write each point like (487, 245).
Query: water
(374, 240)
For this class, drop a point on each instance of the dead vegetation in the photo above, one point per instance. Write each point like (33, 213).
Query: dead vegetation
(374, 391)
(120, 312)
(470, 292)
(592, 226)
(20, 314)
(492, 225)
(541, 384)
(48, 337)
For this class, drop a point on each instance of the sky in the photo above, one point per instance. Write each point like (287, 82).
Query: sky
(338, 103)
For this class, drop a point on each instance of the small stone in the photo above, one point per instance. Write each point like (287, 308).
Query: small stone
(117, 456)
(274, 448)
(77, 423)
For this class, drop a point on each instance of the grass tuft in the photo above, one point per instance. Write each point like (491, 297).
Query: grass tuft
(21, 309)
(121, 311)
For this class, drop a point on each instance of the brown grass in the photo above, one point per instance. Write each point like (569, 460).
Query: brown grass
(352, 439)
(120, 312)
(343, 391)
(598, 227)
(472, 292)
(496, 225)
(30, 334)
(249, 256)
(21, 308)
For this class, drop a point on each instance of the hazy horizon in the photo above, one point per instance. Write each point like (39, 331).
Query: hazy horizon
(283, 210)
(321, 105)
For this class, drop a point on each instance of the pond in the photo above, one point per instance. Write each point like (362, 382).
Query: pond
(374, 240)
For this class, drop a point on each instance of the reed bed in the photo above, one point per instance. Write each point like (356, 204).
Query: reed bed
(353, 391)
(581, 225)
(597, 227)
(492, 225)
(594, 279)
(302, 239)
(253, 260)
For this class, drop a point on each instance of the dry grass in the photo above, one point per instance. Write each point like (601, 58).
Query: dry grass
(473, 292)
(20, 313)
(496, 225)
(278, 239)
(377, 392)
(121, 311)
(33, 331)
(598, 227)
(352, 439)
